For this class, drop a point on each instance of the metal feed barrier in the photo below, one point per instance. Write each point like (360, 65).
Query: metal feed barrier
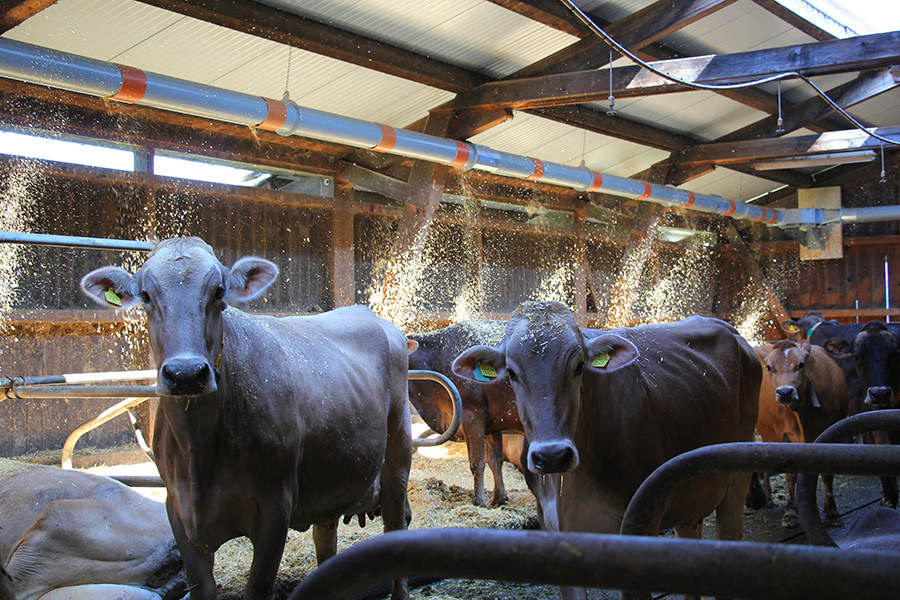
(60, 386)
(640, 562)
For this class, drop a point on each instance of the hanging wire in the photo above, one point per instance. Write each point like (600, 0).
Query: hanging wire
(612, 101)
(719, 87)
(287, 77)
(779, 128)
(883, 172)
(583, 164)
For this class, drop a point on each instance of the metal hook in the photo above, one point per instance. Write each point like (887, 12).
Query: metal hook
(779, 128)
(612, 101)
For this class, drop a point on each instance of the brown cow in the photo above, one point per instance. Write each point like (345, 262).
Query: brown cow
(265, 423)
(76, 535)
(605, 409)
(803, 393)
(486, 411)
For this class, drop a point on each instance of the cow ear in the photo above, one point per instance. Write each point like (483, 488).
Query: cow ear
(791, 326)
(248, 278)
(837, 347)
(483, 364)
(111, 287)
(411, 346)
(806, 346)
(610, 352)
(760, 352)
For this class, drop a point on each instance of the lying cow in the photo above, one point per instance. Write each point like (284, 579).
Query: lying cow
(803, 393)
(265, 423)
(79, 536)
(875, 352)
(486, 411)
(607, 408)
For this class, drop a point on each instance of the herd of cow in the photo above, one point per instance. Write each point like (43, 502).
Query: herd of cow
(267, 424)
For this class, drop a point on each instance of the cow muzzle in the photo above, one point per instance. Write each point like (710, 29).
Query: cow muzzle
(552, 457)
(880, 397)
(185, 377)
(787, 395)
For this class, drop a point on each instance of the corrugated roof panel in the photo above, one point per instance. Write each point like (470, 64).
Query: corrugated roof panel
(730, 184)
(100, 29)
(473, 34)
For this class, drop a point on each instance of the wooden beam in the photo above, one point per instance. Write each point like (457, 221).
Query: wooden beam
(821, 58)
(795, 20)
(637, 30)
(865, 87)
(549, 12)
(748, 151)
(293, 30)
(381, 184)
(15, 12)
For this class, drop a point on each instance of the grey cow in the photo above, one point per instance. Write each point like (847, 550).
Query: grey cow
(265, 423)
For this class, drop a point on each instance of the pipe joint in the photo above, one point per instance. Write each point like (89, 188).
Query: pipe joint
(808, 217)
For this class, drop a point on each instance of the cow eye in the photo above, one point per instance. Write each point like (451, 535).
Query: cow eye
(220, 293)
(801, 365)
(768, 368)
(579, 369)
(145, 297)
(512, 375)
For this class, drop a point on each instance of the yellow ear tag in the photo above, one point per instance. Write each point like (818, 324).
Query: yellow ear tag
(600, 361)
(112, 298)
(483, 372)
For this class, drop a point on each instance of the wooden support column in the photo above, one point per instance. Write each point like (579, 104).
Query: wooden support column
(343, 275)
(582, 272)
(643, 234)
(405, 263)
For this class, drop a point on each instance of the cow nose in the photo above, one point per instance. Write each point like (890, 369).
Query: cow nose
(880, 397)
(787, 395)
(552, 457)
(186, 377)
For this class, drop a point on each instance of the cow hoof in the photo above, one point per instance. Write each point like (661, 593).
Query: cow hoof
(790, 521)
(495, 502)
(834, 521)
(888, 503)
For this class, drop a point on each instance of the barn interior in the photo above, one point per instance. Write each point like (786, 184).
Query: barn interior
(780, 123)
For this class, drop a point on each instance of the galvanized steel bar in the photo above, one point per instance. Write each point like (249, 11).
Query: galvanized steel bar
(68, 241)
(701, 567)
(844, 430)
(420, 375)
(647, 502)
(109, 414)
(81, 391)
(8, 382)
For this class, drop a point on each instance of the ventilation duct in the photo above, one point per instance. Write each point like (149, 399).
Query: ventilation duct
(44, 66)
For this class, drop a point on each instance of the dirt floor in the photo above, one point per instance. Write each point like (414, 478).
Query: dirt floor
(440, 493)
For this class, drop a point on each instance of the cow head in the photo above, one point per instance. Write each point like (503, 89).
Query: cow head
(184, 289)
(786, 365)
(544, 355)
(876, 351)
(803, 328)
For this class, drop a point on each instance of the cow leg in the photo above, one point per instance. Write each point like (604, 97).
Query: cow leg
(395, 510)
(198, 563)
(268, 547)
(325, 541)
(767, 490)
(730, 512)
(832, 517)
(790, 519)
(473, 429)
(494, 444)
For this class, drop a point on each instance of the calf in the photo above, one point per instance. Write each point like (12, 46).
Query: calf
(604, 409)
(486, 411)
(77, 535)
(803, 393)
(875, 352)
(265, 423)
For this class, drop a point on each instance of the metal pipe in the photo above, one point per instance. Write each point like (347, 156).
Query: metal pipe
(648, 502)
(844, 430)
(34, 64)
(110, 413)
(80, 391)
(40, 239)
(695, 567)
(419, 375)
(8, 382)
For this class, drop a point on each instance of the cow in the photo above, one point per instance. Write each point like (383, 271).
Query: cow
(603, 409)
(265, 423)
(81, 536)
(487, 412)
(803, 393)
(875, 353)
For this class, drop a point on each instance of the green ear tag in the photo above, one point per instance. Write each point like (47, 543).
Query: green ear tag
(600, 361)
(112, 298)
(484, 372)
